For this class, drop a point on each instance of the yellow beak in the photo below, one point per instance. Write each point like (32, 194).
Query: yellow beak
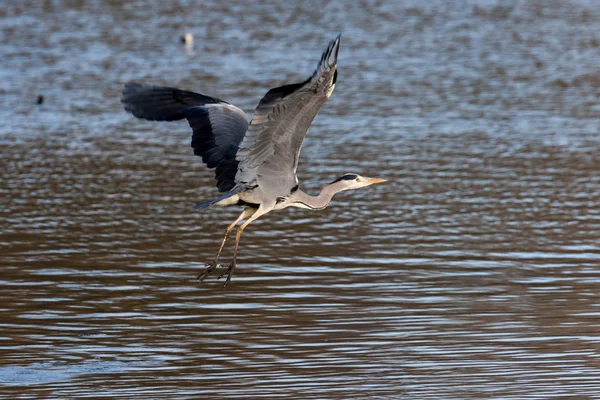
(372, 181)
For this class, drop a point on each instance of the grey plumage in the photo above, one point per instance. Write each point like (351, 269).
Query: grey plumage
(269, 153)
(217, 126)
(255, 163)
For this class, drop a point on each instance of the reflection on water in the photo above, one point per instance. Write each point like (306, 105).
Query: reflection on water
(473, 274)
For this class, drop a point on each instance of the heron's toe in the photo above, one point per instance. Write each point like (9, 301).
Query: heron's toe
(210, 266)
(226, 272)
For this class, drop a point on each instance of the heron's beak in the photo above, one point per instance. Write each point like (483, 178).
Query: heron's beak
(372, 181)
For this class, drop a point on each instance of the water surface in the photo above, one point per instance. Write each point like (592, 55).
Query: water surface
(473, 274)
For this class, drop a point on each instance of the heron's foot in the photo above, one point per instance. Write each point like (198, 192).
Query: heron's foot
(210, 266)
(228, 272)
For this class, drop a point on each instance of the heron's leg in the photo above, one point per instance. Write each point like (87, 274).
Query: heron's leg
(245, 214)
(212, 265)
(229, 271)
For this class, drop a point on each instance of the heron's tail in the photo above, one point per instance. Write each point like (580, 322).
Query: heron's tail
(159, 103)
(232, 195)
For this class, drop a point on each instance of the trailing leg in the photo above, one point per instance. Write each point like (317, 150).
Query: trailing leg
(229, 271)
(210, 266)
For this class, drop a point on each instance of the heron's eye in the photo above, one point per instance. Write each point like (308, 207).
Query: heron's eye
(357, 179)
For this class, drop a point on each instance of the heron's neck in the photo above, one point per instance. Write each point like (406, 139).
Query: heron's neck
(304, 200)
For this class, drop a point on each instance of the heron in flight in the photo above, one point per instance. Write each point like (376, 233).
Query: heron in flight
(255, 162)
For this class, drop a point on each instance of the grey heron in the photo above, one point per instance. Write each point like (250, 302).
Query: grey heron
(255, 162)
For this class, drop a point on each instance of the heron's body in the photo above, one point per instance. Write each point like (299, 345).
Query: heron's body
(255, 162)
(252, 198)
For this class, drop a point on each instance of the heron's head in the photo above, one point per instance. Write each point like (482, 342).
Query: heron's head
(354, 181)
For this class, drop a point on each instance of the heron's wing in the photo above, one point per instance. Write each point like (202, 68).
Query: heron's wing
(269, 153)
(218, 127)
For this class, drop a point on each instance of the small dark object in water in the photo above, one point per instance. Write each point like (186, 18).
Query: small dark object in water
(188, 39)
(40, 99)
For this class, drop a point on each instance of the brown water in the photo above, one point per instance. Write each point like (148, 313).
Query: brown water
(475, 273)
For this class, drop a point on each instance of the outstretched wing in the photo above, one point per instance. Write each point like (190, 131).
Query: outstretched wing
(269, 153)
(218, 127)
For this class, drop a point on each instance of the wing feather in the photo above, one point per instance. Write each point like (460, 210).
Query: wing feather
(268, 154)
(217, 126)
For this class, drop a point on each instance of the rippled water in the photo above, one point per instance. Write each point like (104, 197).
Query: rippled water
(475, 273)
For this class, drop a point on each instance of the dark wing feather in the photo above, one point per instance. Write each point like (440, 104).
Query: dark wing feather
(217, 126)
(159, 103)
(268, 155)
